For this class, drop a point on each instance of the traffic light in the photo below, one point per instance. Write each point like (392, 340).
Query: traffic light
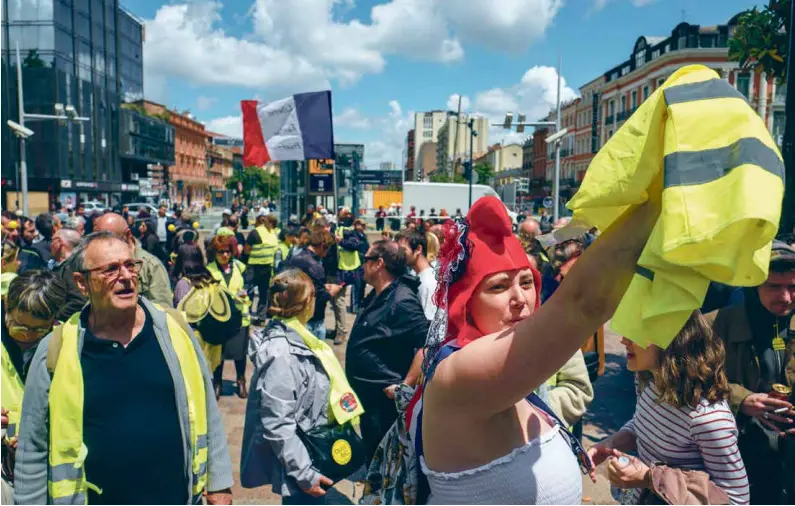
(467, 170)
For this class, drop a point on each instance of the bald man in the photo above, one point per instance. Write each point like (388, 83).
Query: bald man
(153, 279)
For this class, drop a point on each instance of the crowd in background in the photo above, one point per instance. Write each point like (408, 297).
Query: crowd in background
(707, 403)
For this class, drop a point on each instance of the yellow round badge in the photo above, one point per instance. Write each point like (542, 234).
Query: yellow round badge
(341, 452)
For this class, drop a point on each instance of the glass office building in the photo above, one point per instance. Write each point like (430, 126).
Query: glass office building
(84, 53)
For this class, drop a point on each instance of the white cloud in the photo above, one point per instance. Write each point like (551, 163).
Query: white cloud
(302, 44)
(351, 117)
(203, 103)
(452, 103)
(231, 126)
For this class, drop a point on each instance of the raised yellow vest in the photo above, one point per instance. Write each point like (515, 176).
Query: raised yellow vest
(262, 253)
(67, 476)
(236, 283)
(12, 389)
(346, 260)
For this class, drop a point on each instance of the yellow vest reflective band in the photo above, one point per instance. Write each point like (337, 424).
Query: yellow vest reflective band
(344, 404)
(236, 283)
(12, 389)
(346, 260)
(262, 253)
(67, 477)
(697, 145)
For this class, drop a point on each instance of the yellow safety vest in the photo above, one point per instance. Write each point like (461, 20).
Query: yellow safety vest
(235, 285)
(699, 146)
(285, 249)
(262, 253)
(12, 389)
(67, 476)
(347, 260)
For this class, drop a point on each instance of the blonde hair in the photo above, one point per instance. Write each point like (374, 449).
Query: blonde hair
(292, 295)
(433, 246)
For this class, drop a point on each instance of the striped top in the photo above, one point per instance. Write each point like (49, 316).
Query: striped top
(704, 439)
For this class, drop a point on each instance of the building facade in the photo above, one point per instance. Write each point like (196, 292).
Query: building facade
(187, 179)
(449, 150)
(426, 138)
(503, 158)
(606, 102)
(410, 157)
(82, 53)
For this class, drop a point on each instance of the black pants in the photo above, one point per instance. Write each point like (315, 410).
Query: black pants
(261, 278)
(240, 370)
(379, 416)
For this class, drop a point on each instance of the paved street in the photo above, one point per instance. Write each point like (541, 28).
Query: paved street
(612, 406)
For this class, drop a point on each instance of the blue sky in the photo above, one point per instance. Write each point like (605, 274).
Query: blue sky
(384, 59)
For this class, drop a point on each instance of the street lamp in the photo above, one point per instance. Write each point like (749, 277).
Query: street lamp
(63, 114)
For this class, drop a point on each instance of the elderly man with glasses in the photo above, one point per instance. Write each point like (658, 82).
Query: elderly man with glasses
(119, 406)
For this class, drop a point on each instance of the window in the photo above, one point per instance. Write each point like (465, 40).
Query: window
(427, 121)
(625, 71)
(427, 134)
(660, 81)
(82, 26)
(682, 42)
(623, 103)
(634, 98)
(645, 92)
(744, 84)
(612, 107)
(640, 59)
(655, 54)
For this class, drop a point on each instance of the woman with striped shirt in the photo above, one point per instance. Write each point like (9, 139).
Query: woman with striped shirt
(682, 419)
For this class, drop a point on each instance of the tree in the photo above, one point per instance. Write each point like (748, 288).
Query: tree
(255, 178)
(444, 177)
(33, 60)
(484, 172)
(760, 40)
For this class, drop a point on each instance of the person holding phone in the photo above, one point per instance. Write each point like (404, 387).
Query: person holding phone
(230, 272)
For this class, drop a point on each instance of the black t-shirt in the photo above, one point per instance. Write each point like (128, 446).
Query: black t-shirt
(130, 422)
(253, 238)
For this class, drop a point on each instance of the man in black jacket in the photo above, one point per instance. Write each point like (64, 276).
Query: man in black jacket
(386, 341)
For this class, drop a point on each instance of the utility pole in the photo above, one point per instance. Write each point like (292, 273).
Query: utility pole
(455, 142)
(23, 164)
(788, 146)
(472, 134)
(556, 187)
(355, 184)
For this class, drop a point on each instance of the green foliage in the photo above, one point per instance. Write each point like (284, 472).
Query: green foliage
(33, 60)
(266, 184)
(444, 177)
(484, 172)
(760, 40)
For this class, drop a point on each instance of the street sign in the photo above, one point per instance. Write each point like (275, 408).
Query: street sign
(321, 183)
(548, 203)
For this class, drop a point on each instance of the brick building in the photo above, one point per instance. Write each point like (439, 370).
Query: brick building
(607, 101)
(188, 179)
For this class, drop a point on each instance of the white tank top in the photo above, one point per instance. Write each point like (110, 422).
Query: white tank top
(542, 471)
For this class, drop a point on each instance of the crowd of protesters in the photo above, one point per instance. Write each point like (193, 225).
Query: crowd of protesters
(455, 331)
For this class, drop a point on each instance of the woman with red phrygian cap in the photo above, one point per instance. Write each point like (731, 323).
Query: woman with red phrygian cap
(481, 434)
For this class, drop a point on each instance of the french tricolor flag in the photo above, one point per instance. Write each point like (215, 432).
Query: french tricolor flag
(293, 128)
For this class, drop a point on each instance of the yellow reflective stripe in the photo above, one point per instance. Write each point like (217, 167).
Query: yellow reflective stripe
(697, 167)
(12, 391)
(703, 90)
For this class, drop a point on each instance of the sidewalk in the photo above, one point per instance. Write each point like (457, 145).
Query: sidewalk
(613, 405)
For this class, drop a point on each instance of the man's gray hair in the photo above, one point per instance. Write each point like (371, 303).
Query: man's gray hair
(79, 254)
(73, 222)
(69, 236)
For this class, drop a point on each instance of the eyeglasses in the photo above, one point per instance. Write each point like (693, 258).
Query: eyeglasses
(15, 328)
(113, 269)
(579, 452)
(371, 258)
(224, 252)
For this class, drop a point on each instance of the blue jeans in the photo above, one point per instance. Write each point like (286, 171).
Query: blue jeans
(318, 328)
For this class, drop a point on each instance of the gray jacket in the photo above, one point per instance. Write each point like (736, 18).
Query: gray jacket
(289, 388)
(30, 486)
